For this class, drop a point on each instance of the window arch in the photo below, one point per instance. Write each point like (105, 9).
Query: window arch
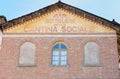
(91, 53)
(27, 53)
(59, 54)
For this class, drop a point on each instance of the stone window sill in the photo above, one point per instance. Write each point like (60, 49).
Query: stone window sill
(88, 65)
(26, 65)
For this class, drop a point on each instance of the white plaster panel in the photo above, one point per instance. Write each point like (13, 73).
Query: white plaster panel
(91, 52)
(27, 54)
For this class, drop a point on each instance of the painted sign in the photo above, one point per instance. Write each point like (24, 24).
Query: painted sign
(59, 22)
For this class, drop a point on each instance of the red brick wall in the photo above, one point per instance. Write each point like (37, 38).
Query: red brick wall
(9, 57)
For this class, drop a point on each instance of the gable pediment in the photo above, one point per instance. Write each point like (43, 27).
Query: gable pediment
(59, 18)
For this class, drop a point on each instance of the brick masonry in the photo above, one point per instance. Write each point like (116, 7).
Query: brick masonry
(10, 52)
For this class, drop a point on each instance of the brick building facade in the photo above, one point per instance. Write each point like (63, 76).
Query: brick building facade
(59, 42)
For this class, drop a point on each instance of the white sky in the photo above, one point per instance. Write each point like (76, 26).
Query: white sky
(108, 9)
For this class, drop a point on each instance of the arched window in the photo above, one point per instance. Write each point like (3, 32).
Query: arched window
(59, 54)
(27, 53)
(91, 53)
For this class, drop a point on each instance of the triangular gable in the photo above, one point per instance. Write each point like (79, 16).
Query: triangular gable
(59, 18)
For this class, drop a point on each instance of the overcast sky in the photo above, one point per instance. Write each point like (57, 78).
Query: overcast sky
(109, 9)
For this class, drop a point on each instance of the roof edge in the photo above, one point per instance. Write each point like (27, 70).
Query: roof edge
(59, 4)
